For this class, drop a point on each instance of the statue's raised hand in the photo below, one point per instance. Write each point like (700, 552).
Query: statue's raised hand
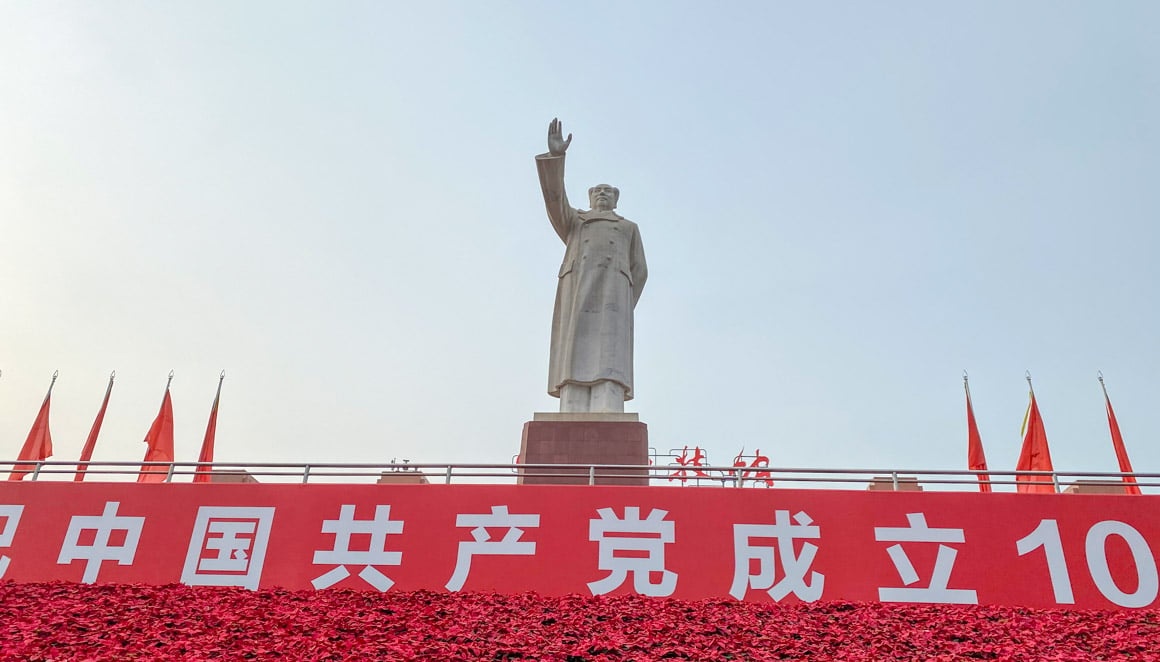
(557, 144)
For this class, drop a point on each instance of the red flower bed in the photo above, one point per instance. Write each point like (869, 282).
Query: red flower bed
(108, 622)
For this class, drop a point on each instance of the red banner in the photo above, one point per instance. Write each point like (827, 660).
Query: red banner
(1087, 551)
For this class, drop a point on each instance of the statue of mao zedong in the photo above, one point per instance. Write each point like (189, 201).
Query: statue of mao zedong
(600, 281)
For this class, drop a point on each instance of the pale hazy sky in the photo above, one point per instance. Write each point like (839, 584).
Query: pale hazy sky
(844, 205)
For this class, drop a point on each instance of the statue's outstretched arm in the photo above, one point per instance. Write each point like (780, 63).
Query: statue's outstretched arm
(551, 170)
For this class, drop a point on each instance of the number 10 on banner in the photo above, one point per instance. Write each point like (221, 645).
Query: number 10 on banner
(1046, 535)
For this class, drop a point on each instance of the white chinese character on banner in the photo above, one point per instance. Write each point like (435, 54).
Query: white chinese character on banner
(649, 535)
(11, 515)
(375, 554)
(239, 538)
(937, 591)
(483, 544)
(794, 566)
(101, 549)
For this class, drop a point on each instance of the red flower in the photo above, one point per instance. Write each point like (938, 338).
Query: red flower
(110, 622)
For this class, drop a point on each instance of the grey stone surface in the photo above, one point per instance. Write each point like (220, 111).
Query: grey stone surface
(600, 281)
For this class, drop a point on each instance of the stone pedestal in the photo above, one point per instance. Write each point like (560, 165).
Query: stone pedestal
(886, 483)
(231, 476)
(1107, 486)
(584, 439)
(403, 478)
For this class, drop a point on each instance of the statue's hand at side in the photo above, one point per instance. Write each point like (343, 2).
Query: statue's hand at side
(557, 144)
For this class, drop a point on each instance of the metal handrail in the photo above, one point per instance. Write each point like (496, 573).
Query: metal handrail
(725, 476)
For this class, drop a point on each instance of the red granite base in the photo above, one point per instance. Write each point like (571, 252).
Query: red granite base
(584, 442)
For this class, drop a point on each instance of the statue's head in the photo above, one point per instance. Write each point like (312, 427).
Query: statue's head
(603, 197)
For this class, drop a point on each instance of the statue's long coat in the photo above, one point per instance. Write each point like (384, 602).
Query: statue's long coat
(601, 278)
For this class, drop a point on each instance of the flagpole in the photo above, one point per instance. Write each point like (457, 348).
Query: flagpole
(202, 473)
(976, 458)
(1107, 401)
(91, 441)
(1125, 464)
(1029, 455)
(218, 396)
(55, 374)
(1030, 400)
(1030, 404)
(159, 432)
(38, 446)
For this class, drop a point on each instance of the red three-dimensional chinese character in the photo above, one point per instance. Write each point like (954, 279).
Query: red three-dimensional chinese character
(759, 461)
(698, 460)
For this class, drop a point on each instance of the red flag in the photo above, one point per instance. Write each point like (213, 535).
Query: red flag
(1118, 444)
(976, 460)
(160, 440)
(203, 473)
(91, 442)
(38, 446)
(1035, 455)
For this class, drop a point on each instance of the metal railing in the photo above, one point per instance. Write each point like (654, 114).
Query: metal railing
(592, 474)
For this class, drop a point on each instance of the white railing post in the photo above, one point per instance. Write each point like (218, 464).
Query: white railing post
(305, 474)
(448, 479)
(592, 475)
(894, 480)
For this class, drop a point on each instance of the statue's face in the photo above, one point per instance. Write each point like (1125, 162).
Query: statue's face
(603, 197)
